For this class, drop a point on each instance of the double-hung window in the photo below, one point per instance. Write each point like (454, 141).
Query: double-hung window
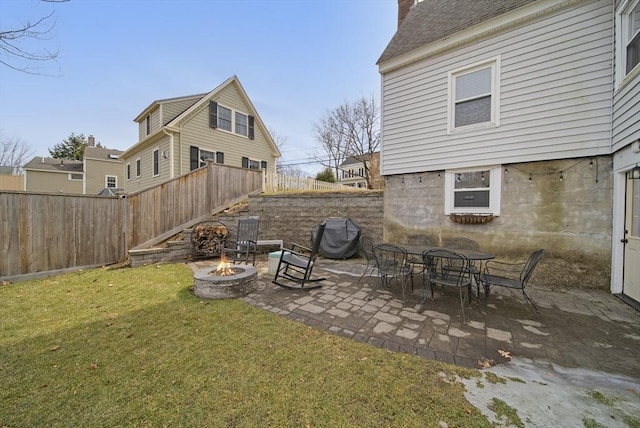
(241, 124)
(474, 96)
(473, 191)
(627, 38)
(111, 181)
(224, 118)
(138, 168)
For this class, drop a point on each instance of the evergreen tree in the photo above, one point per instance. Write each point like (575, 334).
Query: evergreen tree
(72, 148)
(326, 175)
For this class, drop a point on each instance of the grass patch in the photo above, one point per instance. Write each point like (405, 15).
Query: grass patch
(631, 421)
(494, 378)
(590, 423)
(601, 398)
(505, 412)
(134, 347)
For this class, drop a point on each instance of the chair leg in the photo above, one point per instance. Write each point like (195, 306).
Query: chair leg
(529, 301)
(464, 320)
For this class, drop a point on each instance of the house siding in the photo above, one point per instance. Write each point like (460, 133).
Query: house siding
(170, 110)
(555, 97)
(197, 132)
(146, 178)
(626, 114)
(97, 170)
(52, 182)
(155, 124)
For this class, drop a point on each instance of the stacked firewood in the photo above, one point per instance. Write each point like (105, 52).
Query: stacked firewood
(208, 238)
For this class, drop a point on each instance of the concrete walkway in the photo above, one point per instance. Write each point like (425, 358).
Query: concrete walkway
(575, 328)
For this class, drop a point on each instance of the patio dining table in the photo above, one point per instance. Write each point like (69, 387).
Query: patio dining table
(471, 255)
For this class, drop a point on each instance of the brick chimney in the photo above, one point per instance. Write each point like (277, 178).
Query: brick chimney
(91, 141)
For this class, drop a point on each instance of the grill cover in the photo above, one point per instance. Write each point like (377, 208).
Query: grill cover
(340, 239)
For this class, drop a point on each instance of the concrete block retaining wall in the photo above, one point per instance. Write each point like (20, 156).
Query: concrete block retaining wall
(291, 217)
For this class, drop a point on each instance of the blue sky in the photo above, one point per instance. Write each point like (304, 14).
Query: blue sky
(296, 59)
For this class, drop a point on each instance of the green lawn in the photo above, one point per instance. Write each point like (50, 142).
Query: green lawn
(134, 347)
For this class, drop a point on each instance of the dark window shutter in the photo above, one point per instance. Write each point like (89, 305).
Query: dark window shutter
(251, 133)
(213, 114)
(263, 164)
(219, 157)
(245, 162)
(194, 154)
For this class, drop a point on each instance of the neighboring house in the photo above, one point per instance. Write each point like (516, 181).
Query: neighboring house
(103, 169)
(10, 179)
(100, 168)
(54, 175)
(499, 112)
(352, 171)
(178, 135)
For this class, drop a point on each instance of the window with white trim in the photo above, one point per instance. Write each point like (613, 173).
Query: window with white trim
(474, 96)
(138, 168)
(111, 181)
(627, 39)
(473, 191)
(75, 177)
(241, 124)
(128, 171)
(224, 118)
(147, 124)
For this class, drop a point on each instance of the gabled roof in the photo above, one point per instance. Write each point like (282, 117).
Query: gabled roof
(352, 160)
(54, 165)
(202, 101)
(101, 153)
(432, 20)
(195, 98)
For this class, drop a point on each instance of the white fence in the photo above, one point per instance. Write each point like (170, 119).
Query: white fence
(278, 183)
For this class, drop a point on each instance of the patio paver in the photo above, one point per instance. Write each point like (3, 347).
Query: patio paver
(575, 328)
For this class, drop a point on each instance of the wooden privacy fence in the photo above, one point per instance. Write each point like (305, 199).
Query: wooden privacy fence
(277, 182)
(45, 232)
(158, 213)
(50, 232)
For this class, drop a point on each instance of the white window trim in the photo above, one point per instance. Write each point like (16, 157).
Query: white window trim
(106, 180)
(621, 78)
(494, 63)
(495, 190)
(235, 123)
(138, 170)
(156, 150)
(71, 174)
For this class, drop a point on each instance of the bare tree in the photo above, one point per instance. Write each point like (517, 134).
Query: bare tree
(13, 50)
(14, 152)
(350, 130)
(333, 147)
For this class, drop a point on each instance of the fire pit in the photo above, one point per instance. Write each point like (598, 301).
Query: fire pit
(225, 282)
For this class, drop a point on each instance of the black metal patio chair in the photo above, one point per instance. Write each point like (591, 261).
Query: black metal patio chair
(296, 264)
(392, 263)
(243, 246)
(514, 276)
(465, 244)
(436, 262)
(366, 248)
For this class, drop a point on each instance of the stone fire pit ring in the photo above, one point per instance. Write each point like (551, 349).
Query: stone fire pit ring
(209, 285)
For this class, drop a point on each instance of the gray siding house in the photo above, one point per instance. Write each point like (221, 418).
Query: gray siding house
(177, 135)
(499, 112)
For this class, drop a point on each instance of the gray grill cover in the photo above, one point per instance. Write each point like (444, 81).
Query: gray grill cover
(340, 239)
